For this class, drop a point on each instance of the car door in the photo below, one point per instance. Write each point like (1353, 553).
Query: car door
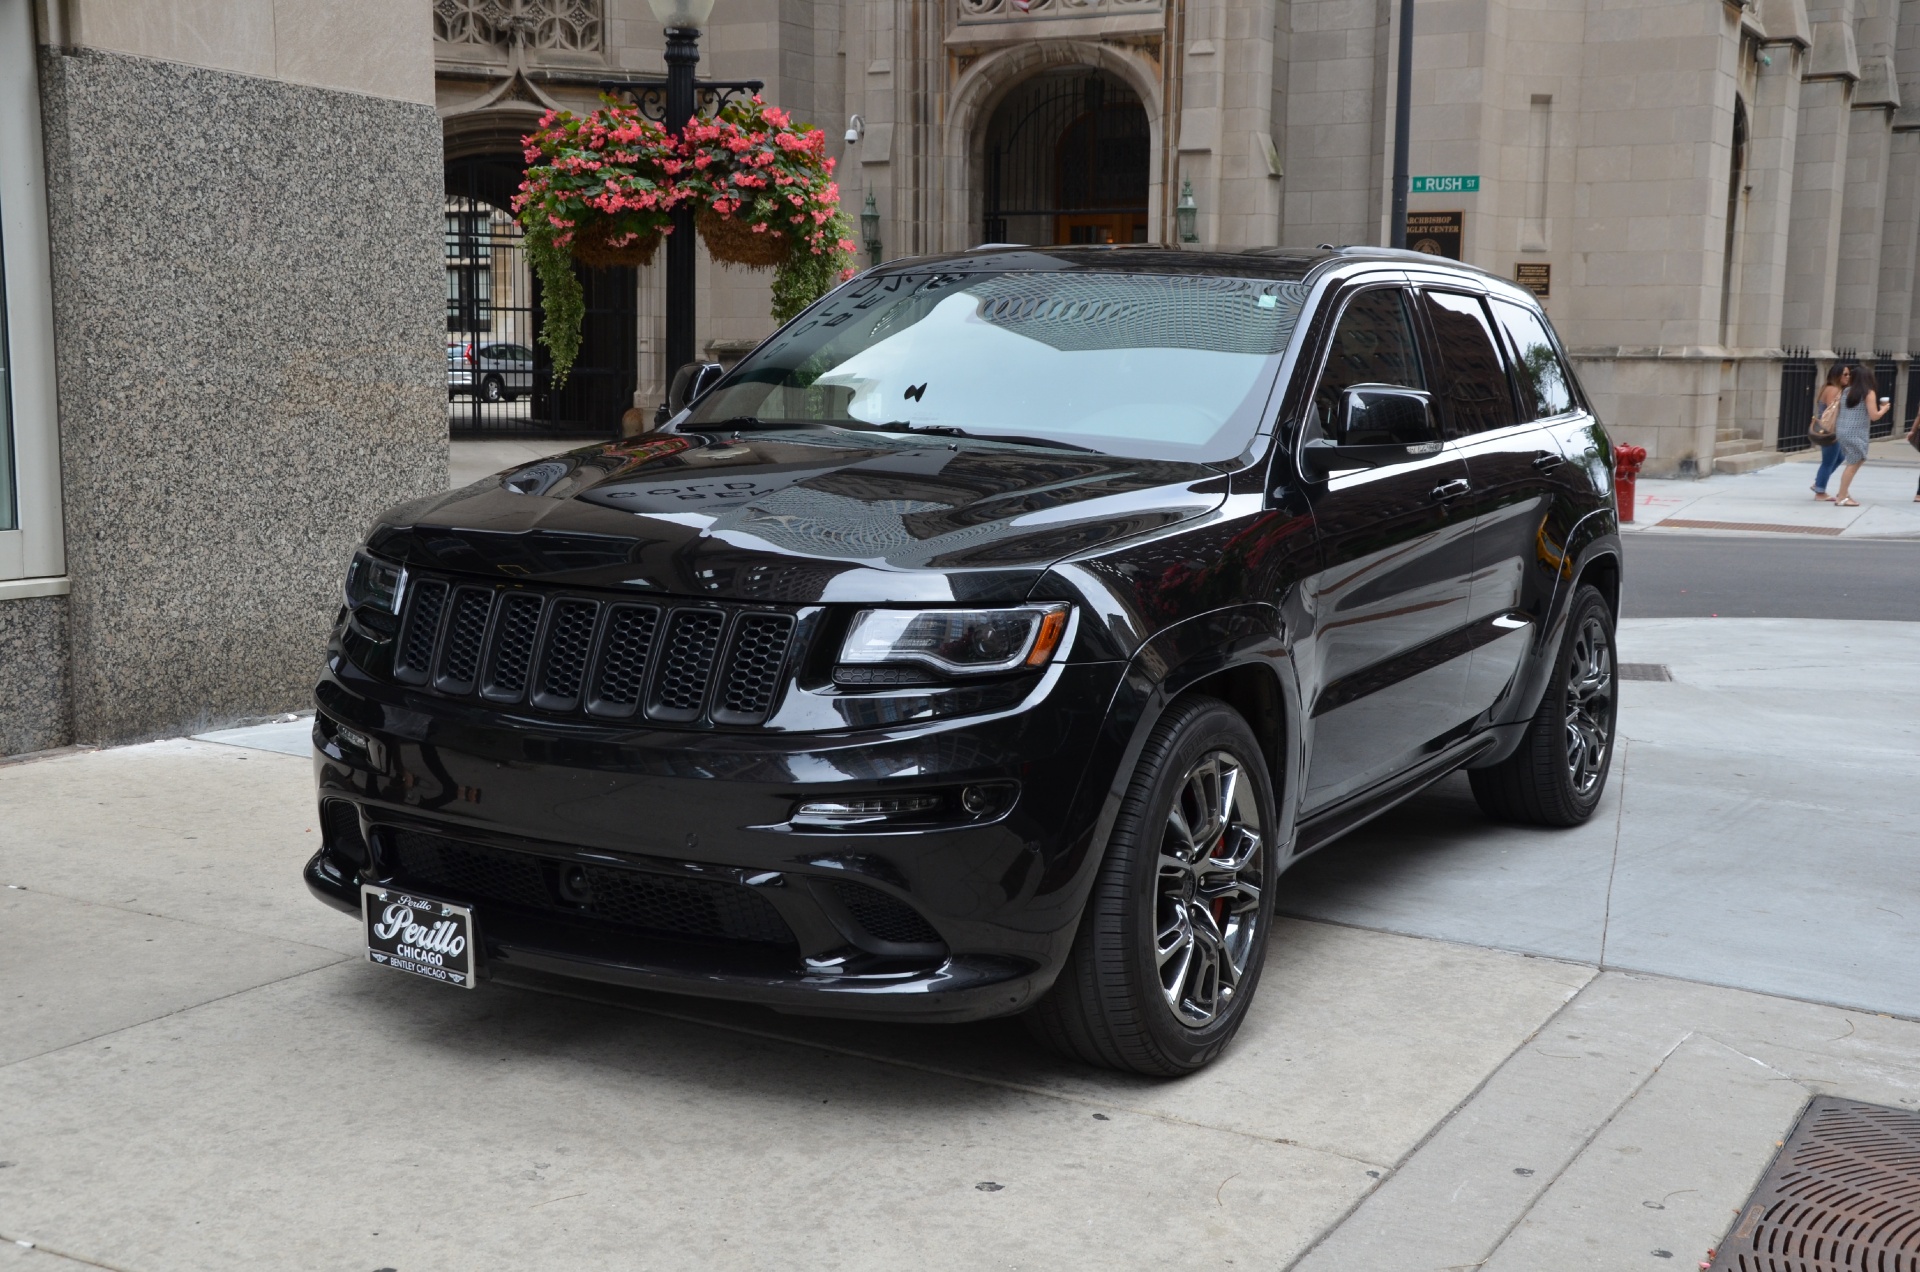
(1506, 454)
(1385, 671)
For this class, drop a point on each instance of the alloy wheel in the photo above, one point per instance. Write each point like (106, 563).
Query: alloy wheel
(1589, 705)
(1207, 907)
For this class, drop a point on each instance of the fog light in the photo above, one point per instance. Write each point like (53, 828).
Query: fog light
(864, 810)
(979, 800)
(575, 888)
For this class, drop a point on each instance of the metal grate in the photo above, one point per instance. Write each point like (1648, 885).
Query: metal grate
(563, 665)
(468, 629)
(1645, 671)
(634, 900)
(1886, 376)
(686, 665)
(1798, 374)
(1842, 1196)
(415, 655)
(623, 660)
(754, 667)
(512, 652)
(882, 915)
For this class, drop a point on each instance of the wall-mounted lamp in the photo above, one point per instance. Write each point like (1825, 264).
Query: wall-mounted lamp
(1187, 212)
(870, 229)
(856, 129)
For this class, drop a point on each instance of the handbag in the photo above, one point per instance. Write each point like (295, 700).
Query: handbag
(1826, 425)
(1913, 434)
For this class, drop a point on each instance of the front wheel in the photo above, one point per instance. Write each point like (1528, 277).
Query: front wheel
(494, 390)
(1170, 945)
(1556, 775)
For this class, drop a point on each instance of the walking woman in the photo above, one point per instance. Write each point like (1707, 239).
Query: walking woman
(1860, 406)
(1837, 378)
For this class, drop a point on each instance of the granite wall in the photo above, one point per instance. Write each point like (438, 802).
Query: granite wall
(248, 313)
(34, 708)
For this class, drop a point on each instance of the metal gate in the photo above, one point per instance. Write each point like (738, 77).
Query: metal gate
(499, 376)
(1886, 374)
(1067, 161)
(1797, 375)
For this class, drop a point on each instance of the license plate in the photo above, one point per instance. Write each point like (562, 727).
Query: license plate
(422, 935)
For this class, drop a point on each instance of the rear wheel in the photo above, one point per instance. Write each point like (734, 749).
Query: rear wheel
(1556, 775)
(494, 390)
(1169, 949)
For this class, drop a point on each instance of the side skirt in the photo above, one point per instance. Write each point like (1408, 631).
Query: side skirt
(1325, 827)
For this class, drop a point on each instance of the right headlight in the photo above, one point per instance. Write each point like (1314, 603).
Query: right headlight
(958, 642)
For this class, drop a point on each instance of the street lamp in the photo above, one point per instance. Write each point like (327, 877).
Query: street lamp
(1187, 212)
(870, 230)
(682, 20)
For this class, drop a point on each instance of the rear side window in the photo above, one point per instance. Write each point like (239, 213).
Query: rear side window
(1545, 387)
(1473, 375)
(1374, 344)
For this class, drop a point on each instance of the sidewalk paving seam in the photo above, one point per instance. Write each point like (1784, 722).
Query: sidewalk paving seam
(939, 1071)
(205, 1002)
(36, 1248)
(1613, 865)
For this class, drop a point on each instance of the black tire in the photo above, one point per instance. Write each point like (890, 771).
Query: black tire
(494, 390)
(1555, 777)
(1111, 1005)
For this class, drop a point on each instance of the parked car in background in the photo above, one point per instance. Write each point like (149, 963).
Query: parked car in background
(990, 640)
(498, 372)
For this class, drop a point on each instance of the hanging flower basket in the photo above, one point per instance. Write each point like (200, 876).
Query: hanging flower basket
(602, 246)
(738, 241)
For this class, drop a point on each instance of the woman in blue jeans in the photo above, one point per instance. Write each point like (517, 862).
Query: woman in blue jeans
(1839, 376)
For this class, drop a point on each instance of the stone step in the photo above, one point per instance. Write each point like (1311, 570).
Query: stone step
(1728, 435)
(1736, 446)
(1746, 461)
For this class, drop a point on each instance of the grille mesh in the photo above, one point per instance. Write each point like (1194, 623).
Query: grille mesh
(637, 901)
(886, 918)
(468, 629)
(686, 664)
(623, 659)
(564, 665)
(753, 668)
(415, 658)
(513, 647)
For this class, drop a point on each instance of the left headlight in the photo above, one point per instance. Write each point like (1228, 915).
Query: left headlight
(375, 584)
(957, 642)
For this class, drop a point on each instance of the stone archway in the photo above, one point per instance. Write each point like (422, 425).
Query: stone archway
(987, 83)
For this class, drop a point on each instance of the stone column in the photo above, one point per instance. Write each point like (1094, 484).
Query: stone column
(1863, 205)
(1246, 159)
(1819, 185)
(1773, 131)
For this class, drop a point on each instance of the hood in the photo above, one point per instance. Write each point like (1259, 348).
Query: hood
(797, 516)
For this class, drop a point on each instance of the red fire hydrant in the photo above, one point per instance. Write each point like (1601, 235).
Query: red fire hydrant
(1626, 470)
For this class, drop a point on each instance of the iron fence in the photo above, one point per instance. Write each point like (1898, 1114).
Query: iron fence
(1886, 375)
(499, 376)
(1798, 373)
(1067, 160)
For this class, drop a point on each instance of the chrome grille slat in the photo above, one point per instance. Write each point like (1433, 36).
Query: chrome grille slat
(689, 663)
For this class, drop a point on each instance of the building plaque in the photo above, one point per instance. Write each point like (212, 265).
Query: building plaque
(1535, 276)
(1436, 233)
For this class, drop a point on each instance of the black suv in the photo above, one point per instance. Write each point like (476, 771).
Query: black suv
(989, 640)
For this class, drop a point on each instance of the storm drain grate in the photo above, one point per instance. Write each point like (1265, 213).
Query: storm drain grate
(1842, 1196)
(1645, 671)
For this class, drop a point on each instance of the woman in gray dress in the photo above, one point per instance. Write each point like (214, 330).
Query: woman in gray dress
(1859, 408)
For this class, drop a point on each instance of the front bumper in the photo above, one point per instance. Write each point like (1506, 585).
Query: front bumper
(707, 815)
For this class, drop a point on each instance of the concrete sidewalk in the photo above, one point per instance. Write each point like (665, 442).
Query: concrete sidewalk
(1779, 500)
(200, 1070)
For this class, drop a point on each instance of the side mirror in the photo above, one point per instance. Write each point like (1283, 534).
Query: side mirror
(1378, 424)
(690, 383)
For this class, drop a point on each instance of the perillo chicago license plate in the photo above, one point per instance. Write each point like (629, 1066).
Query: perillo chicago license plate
(423, 935)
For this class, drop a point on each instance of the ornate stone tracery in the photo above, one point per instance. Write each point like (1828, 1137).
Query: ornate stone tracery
(565, 26)
(1002, 10)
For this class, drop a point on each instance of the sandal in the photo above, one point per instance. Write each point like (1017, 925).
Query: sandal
(1848, 502)
(1823, 495)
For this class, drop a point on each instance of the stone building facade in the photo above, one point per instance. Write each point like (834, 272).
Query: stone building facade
(1706, 184)
(221, 228)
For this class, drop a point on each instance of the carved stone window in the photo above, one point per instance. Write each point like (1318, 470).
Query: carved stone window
(567, 26)
(1014, 10)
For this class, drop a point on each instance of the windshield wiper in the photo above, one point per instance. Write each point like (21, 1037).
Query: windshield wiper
(738, 422)
(949, 430)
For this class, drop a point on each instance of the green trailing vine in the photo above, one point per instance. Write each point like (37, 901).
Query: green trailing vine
(564, 303)
(805, 276)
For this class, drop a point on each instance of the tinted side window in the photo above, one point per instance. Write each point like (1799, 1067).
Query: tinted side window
(1374, 344)
(1473, 376)
(1544, 384)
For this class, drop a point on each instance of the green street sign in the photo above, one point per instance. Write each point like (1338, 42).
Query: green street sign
(1447, 185)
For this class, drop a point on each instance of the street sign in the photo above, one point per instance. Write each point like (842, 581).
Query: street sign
(1447, 185)
(1436, 233)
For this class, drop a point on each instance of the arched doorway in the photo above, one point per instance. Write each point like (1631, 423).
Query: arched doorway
(499, 376)
(1068, 158)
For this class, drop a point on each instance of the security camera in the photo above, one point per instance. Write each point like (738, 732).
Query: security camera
(856, 129)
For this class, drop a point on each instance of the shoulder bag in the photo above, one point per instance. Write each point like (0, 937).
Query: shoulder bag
(1826, 425)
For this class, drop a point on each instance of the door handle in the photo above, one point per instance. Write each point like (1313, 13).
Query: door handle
(1452, 489)
(1546, 460)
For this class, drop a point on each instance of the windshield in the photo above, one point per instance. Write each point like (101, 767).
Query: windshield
(1154, 366)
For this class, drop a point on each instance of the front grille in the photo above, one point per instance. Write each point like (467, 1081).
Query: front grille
(613, 660)
(884, 917)
(635, 901)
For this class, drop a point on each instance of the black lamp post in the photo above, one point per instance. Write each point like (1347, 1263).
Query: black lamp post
(1402, 125)
(682, 20)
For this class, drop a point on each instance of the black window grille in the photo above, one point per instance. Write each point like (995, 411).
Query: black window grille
(1886, 376)
(1067, 161)
(1798, 373)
